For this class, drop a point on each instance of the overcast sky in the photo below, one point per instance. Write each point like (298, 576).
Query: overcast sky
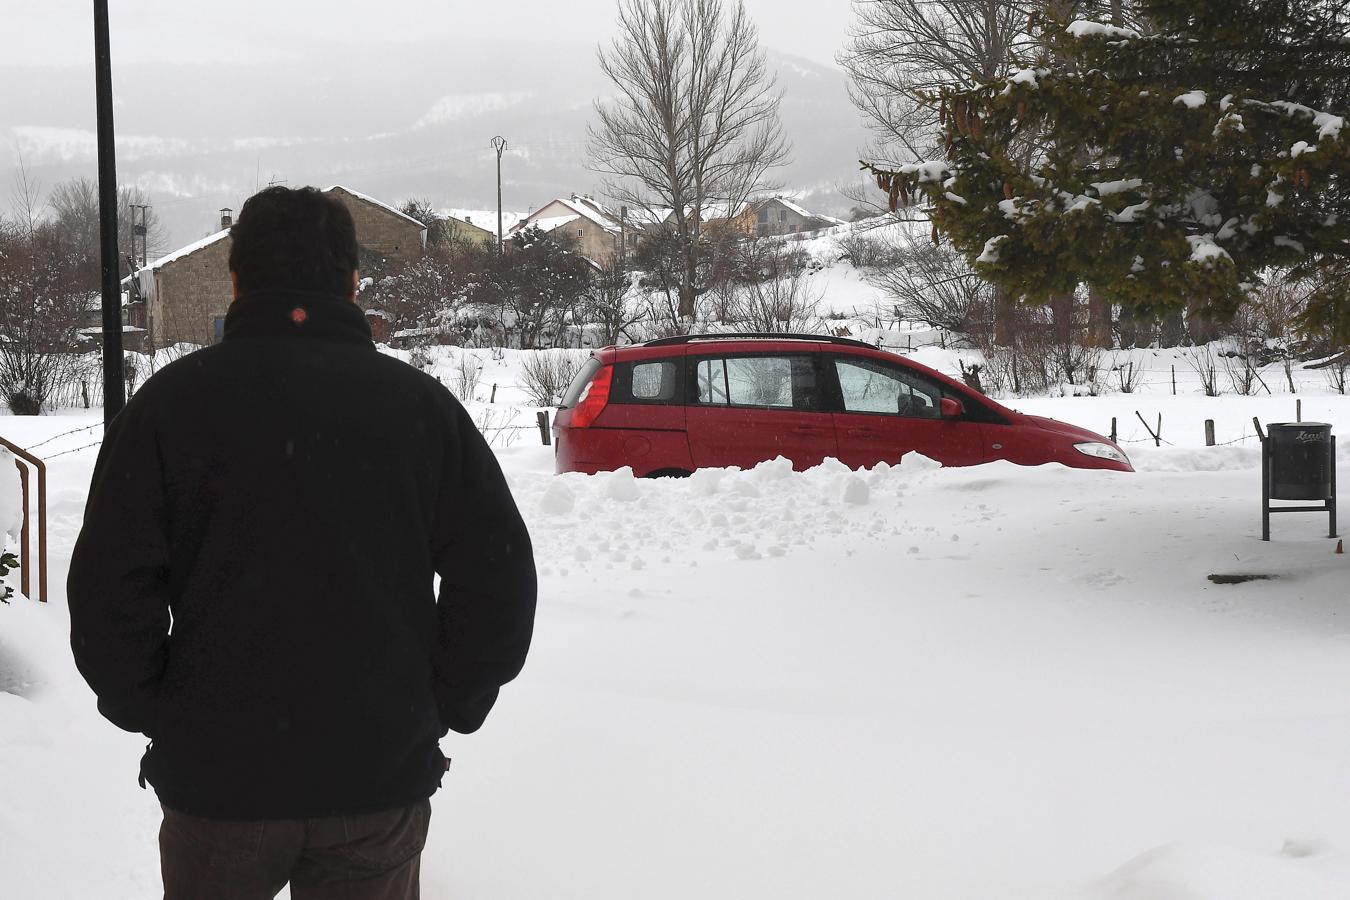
(61, 31)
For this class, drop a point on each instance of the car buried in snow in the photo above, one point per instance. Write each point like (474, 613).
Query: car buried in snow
(670, 406)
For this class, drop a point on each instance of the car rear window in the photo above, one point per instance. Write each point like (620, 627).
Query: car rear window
(646, 381)
(579, 382)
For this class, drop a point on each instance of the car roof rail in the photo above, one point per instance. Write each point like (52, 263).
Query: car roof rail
(756, 335)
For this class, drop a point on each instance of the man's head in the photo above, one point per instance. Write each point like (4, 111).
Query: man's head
(297, 239)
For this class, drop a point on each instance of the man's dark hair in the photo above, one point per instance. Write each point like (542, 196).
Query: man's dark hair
(294, 239)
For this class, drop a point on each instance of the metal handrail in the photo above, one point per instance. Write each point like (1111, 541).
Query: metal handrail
(25, 536)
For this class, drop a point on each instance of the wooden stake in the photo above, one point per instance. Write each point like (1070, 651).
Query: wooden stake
(1113, 430)
(1209, 432)
(493, 399)
(1298, 410)
(542, 417)
(1174, 381)
(1156, 435)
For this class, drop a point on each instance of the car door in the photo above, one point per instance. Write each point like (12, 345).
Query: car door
(750, 407)
(885, 410)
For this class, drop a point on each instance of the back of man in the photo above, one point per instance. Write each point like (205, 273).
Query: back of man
(253, 586)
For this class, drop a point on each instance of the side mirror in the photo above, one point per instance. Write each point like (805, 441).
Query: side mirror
(951, 409)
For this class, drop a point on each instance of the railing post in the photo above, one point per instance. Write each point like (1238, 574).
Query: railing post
(25, 555)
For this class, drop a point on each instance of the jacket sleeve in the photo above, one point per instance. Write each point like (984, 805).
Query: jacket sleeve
(486, 606)
(118, 588)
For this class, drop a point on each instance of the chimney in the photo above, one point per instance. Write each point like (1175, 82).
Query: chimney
(468, 219)
(226, 220)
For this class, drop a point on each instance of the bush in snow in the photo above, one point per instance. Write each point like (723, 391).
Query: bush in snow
(545, 374)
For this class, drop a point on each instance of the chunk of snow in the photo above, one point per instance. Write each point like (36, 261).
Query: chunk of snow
(856, 492)
(1085, 28)
(558, 500)
(990, 252)
(1274, 199)
(621, 485)
(1204, 251)
(1029, 77)
(1192, 99)
(1107, 188)
(1300, 148)
(928, 172)
(1131, 213)
(955, 198)
(1289, 243)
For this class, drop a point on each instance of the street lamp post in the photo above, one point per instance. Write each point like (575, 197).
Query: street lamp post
(114, 389)
(499, 144)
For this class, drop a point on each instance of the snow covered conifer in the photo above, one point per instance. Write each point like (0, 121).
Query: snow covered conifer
(1166, 165)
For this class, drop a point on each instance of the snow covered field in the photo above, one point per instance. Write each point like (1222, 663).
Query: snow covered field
(914, 683)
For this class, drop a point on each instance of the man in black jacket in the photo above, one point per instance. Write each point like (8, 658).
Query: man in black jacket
(253, 587)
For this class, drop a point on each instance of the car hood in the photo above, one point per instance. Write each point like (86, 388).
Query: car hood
(1064, 428)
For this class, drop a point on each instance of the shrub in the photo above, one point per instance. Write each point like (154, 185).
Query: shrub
(545, 374)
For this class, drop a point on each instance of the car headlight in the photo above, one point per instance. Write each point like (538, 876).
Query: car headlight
(1103, 451)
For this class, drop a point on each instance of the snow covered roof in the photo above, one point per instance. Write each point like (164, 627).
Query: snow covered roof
(485, 219)
(576, 207)
(371, 200)
(184, 251)
(552, 223)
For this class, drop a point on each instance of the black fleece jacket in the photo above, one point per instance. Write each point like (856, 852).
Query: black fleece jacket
(253, 587)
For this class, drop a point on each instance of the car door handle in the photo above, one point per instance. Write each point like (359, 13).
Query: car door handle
(806, 429)
(861, 433)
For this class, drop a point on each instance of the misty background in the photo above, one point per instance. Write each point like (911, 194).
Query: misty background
(397, 99)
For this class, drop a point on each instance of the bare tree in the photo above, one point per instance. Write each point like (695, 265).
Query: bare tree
(41, 304)
(902, 53)
(75, 213)
(934, 284)
(694, 130)
(776, 294)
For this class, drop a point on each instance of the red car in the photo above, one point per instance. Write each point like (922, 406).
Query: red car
(670, 406)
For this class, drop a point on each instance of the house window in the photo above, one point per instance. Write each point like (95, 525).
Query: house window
(581, 232)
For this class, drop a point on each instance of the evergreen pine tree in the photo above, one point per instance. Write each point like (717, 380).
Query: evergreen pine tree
(1165, 167)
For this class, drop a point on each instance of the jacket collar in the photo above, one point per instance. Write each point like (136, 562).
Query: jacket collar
(281, 313)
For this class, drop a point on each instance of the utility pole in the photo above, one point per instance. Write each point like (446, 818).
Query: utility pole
(499, 144)
(114, 387)
(141, 230)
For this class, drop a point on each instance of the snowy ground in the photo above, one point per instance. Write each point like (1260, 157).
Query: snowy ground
(985, 683)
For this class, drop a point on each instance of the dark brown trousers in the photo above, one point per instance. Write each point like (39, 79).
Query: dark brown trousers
(367, 857)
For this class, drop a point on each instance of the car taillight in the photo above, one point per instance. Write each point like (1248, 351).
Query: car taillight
(593, 400)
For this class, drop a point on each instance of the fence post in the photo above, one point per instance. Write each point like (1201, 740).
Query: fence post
(1298, 410)
(1209, 432)
(1174, 381)
(1113, 430)
(493, 398)
(542, 417)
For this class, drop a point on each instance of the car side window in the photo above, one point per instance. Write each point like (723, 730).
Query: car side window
(773, 382)
(868, 386)
(654, 382)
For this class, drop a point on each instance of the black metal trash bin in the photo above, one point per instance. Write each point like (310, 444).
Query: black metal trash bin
(1298, 462)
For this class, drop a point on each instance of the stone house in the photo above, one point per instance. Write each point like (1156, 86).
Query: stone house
(455, 230)
(598, 233)
(188, 292)
(780, 216)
